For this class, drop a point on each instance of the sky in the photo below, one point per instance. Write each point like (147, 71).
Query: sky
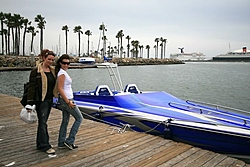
(209, 26)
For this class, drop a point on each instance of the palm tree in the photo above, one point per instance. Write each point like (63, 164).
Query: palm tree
(155, 51)
(104, 38)
(41, 25)
(109, 50)
(88, 33)
(17, 25)
(121, 35)
(135, 43)
(5, 33)
(147, 47)
(9, 23)
(161, 45)
(2, 18)
(78, 29)
(141, 50)
(164, 42)
(103, 29)
(66, 29)
(115, 49)
(26, 22)
(118, 45)
(128, 38)
(156, 40)
(31, 30)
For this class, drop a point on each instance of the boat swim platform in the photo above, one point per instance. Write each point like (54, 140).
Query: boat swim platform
(99, 145)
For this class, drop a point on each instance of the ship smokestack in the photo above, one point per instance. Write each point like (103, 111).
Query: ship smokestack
(244, 49)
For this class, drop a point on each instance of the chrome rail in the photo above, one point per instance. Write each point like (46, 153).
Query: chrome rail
(202, 109)
(193, 102)
(115, 78)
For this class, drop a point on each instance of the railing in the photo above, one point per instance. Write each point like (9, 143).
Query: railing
(203, 109)
(193, 102)
(115, 78)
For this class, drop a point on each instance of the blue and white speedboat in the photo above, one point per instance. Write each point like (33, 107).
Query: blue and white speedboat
(212, 127)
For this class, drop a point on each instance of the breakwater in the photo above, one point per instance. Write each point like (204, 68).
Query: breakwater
(26, 61)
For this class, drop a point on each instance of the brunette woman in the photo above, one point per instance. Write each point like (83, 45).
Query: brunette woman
(41, 91)
(67, 104)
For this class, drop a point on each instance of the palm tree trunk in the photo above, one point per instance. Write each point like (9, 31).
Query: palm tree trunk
(2, 37)
(13, 40)
(41, 40)
(8, 43)
(24, 33)
(79, 38)
(88, 45)
(16, 41)
(31, 45)
(66, 34)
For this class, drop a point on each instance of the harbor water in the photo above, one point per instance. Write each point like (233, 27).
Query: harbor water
(224, 83)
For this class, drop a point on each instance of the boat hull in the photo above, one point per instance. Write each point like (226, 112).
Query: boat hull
(87, 60)
(232, 59)
(217, 141)
(169, 120)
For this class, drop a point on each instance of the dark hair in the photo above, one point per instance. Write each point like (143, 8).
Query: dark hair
(45, 52)
(58, 65)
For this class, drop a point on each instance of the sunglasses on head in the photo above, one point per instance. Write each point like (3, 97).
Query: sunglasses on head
(50, 53)
(65, 63)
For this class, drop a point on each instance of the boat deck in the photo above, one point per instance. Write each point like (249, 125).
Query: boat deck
(98, 145)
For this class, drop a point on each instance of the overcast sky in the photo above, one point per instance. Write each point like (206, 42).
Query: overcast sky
(206, 26)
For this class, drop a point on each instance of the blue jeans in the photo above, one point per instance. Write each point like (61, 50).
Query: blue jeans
(66, 112)
(43, 110)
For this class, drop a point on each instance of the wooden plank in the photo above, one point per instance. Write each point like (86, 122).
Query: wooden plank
(164, 155)
(180, 157)
(97, 145)
(139, 154)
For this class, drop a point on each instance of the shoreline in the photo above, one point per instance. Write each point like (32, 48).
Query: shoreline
(22, 63)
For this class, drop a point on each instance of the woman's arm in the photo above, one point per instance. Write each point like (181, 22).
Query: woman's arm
(32, 87)
(60, 86)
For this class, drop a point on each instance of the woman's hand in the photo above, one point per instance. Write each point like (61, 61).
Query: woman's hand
(71, 104)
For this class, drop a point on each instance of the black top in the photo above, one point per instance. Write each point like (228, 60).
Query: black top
(51, 81)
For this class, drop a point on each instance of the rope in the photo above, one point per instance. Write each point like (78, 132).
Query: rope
(120, 126)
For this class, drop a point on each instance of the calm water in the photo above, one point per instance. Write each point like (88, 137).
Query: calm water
(214, 82)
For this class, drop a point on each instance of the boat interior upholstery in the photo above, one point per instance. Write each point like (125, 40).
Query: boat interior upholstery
(132, 88)
(103, 90)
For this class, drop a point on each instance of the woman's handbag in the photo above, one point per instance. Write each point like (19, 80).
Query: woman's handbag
(28, 114)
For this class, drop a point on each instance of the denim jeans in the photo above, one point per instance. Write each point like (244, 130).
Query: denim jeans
(66, 112)
(43, 110)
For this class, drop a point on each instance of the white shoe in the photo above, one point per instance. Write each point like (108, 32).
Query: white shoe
(50, 151)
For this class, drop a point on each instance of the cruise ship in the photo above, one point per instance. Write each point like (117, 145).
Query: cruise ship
(194, 56)
(237, 55)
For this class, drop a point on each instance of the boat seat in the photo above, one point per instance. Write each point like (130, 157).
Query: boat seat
(103, 90)
(132, 88)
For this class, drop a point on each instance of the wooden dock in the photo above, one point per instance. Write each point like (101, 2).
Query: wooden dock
(98, 145)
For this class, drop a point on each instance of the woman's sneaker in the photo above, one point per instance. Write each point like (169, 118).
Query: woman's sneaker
(50, 151)
(70, 146)
(74, 146)
(62, 147)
